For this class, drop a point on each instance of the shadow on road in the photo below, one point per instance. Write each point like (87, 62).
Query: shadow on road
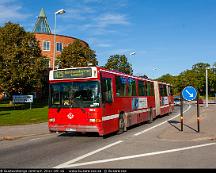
(78, 134)
(175, 124)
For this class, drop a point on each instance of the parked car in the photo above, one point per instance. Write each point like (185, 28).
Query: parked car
(177, 101)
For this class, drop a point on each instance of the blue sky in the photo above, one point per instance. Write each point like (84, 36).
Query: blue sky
(168, 36)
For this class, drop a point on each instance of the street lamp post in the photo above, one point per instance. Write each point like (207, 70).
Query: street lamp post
(132, 53)
(207, 86)
(62, 11)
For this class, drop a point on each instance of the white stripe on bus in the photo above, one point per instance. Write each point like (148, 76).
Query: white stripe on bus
(110, 117)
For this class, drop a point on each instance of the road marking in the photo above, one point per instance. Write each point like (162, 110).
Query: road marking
(146, 130)
(35, 139)
(66, 164)
(139, 155)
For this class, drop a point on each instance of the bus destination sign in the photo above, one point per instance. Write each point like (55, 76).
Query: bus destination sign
(72, 73)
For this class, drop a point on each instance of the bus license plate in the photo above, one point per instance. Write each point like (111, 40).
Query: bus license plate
(70, 130)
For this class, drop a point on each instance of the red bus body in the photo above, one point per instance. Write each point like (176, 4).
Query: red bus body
(119, 100)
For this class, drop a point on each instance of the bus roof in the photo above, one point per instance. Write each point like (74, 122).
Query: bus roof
(97, 68)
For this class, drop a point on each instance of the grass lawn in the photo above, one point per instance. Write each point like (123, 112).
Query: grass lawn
(23, 115)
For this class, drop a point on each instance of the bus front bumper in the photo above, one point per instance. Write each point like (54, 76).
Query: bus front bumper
(73, 128)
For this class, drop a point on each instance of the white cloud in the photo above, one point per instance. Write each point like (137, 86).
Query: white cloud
(103, 45)
(93, 1)
(98, 43)
(81, 13)
(101, 25)
(122, 51)
(111, 19)
(8, 11)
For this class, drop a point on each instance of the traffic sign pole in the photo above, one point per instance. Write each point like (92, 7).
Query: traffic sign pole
(189, 93)
(181, 115)
(198, 114)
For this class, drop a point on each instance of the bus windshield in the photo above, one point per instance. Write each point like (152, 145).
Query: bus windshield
(74, 95)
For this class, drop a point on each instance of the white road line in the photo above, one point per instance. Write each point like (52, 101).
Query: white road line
(66, 164)
(139, 155)
(35, 139)
(146, 130)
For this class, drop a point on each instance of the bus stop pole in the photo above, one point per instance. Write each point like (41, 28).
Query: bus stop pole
(181, 115)
(198, 114)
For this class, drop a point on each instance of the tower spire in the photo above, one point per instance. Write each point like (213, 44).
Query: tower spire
(41, 25)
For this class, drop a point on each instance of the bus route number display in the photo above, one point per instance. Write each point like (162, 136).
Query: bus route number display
(72, 73)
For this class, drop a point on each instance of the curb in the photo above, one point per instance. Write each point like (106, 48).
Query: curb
(11, 138)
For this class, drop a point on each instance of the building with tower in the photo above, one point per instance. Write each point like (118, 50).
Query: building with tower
(45, 37)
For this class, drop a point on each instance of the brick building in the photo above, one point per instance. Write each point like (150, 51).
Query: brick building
(43, 34)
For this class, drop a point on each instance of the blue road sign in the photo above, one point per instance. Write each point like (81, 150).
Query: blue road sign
(189, 93)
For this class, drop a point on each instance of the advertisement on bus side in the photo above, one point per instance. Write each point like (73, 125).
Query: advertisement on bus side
(139, 103)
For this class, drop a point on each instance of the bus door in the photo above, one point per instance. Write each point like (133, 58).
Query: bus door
(108, 112)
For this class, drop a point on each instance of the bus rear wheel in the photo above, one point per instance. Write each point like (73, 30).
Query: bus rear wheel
(121, 124)
(150, 118)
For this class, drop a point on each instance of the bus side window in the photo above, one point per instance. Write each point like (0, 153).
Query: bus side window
(121, 86)
(170, 91)
(106, 90)
(131, 87)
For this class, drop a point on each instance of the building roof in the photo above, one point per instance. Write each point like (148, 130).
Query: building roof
(41, 25)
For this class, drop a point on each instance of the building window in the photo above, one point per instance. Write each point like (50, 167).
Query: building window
(46, 45)
(59, 47)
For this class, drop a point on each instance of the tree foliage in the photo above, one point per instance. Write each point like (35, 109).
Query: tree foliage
(119, 63)
(77, 55)
(21, 62)
(195, 77)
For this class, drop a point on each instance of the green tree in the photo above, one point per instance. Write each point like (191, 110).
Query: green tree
(119, 63)
(173, 80)
(21, 62)
(200, 66)
(143, 76)
(196, 78)
(77, 55)
(167, 78)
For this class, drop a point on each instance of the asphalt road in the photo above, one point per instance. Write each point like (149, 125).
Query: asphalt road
(143, 146)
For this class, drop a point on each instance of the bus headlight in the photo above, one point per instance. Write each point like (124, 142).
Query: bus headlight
(95, 120)
(52, 120)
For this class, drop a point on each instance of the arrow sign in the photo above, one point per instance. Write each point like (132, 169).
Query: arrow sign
(189, 93)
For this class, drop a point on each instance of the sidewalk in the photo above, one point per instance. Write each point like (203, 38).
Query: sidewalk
(190, 127)
(20, 131)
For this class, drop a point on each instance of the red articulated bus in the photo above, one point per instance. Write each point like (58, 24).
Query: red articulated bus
(94, 99)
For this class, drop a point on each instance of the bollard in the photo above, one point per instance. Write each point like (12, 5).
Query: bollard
(181, 107)
(198, 114)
